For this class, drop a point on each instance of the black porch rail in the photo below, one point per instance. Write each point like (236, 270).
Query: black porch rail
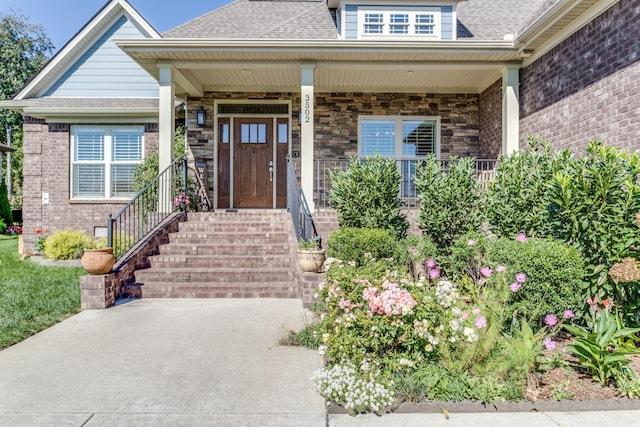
(148, 208)
(299, 209)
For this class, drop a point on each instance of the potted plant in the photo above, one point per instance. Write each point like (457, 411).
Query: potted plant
(311, 256)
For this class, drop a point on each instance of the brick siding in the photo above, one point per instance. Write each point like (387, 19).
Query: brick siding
(490, 125)
(587, 87)
(47, 165)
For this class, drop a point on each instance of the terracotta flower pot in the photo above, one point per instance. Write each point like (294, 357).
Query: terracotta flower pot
(311, 260)
(98, 261)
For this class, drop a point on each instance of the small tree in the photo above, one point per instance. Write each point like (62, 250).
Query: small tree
(366, 195)
(450, 201)
(6, 215)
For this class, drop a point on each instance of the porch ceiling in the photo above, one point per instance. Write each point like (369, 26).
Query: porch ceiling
(218, 65)
(335, 78)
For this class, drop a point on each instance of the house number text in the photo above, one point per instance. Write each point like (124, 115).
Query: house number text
(307, 109)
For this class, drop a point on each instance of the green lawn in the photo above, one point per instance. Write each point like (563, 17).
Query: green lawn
(33, 297)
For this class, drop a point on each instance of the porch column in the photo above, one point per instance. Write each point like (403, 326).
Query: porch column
(307, 132)
(510, 109)
(166, 132)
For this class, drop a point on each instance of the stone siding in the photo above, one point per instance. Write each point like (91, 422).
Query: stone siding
(491, 122)
(587, 87)
(47, 165)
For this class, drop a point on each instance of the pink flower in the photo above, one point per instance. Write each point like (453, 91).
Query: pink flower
(501, 268)
(515, 287)
(434, 273)
(521, 277)
(486, 272)
(430, 263)
(481, 322)
(549, 344)
(465, 315)
(568, 314)
(521, 237)
(475, 311)
(550, 320)
(471, 242)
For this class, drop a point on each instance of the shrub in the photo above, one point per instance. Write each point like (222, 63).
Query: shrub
(2, 226)
(67, 244)
(351, 244)
(6, 215)
(366, 195)
(594, 202)
(450, 202)
(554, 273)
(517, 199)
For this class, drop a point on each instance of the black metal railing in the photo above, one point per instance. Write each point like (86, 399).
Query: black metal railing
(150, 207)
(299, 209)
(485, 172)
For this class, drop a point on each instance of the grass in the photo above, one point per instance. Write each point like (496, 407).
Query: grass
(33, 297)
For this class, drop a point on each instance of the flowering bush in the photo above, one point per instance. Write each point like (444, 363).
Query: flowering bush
(182, 202)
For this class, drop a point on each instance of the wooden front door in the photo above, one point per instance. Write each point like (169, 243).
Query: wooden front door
(253, 163)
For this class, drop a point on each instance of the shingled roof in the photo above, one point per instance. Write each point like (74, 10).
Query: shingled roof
(310, 19)
(256, 19)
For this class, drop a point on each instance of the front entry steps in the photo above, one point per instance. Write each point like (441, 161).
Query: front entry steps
(244, 254)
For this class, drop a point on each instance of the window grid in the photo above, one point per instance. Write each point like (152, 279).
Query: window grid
(394, 23)
(104, 160)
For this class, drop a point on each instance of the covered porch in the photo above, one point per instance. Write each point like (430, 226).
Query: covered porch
(321, 102)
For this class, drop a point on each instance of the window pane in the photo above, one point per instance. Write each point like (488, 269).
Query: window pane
(262, 134)
(121, 181)
(283, 133)
(88, 180)
(373, 18)
(418, 138)
(424, 19)
(127, 145)
(377, 136)
(399, 18)
(224, 133)
(398, 29)
(89, 145)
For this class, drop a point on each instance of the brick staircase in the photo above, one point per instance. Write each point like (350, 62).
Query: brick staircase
(243, 254)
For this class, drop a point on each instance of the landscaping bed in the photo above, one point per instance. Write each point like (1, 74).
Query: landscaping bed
(527, 291)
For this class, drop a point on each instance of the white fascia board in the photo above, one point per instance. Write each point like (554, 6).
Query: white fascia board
(329, 45)
(64, 115)
(83, 40)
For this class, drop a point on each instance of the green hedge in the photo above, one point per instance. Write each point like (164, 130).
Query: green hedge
(351, 244)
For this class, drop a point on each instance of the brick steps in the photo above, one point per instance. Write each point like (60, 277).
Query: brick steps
(243, 254)
(208, 261)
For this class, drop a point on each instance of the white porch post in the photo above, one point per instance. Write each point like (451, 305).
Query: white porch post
(307, 132)
(166, 133)
(510, 109)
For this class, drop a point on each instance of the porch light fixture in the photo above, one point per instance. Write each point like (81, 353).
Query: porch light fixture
(201, 116)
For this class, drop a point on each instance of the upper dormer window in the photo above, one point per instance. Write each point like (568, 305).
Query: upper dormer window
(409, 22)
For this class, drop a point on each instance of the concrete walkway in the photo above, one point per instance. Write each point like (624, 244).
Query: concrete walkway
(198, 363)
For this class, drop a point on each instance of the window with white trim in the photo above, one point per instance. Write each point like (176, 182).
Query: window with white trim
(407, 139)
(390, 22)
(103, 159)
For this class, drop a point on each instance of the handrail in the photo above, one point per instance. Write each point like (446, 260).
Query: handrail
(299, 208)
(147, 209)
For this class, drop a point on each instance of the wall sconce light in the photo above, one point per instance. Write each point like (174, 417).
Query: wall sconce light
(201, 116)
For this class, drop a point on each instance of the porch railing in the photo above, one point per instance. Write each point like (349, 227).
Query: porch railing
(147, 209)
(485, 172)
(299, 208)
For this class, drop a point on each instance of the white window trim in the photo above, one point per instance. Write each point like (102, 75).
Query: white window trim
(107, 162)
(386, 18)
(398, 134)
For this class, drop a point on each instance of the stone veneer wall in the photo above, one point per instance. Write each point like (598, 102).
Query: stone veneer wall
(491, 122)
(336, 120)
(47, 159)
(587, 87)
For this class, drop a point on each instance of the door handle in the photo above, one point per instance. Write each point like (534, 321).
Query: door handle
(271, 171)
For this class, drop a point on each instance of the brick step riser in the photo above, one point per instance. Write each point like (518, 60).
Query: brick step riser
(222, 219)
(152, 276)
(222, 250)
(221, 263)
(235, 239)
(213, 293)
(229, 228)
